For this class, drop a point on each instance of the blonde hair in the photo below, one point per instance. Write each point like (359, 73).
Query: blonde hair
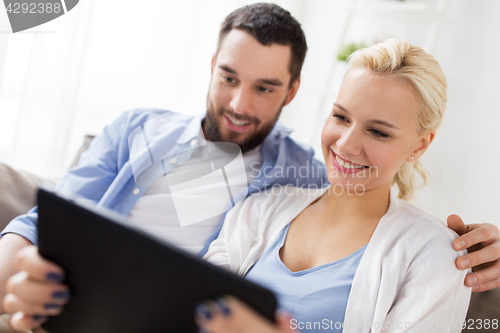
(421, 71)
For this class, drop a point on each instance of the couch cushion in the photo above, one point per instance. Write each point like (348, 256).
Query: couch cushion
(17, 193)
(484, 308)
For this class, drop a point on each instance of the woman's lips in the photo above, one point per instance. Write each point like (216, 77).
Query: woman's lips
(346, 168)
(234, 124)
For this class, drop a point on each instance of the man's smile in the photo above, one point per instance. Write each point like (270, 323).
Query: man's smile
(236, 125)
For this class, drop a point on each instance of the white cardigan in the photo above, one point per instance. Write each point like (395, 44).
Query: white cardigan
(406, 281)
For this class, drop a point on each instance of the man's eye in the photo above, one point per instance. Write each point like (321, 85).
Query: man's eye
(378, 134)
(263, 89)
(229, 79)
(340, 117)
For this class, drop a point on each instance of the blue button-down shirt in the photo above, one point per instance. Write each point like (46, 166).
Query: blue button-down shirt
(105, 173)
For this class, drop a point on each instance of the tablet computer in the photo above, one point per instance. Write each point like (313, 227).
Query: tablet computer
(124, 280)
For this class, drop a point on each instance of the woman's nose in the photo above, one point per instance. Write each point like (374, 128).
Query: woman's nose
(349, 142)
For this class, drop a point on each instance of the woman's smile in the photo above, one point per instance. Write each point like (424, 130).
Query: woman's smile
(346, 166)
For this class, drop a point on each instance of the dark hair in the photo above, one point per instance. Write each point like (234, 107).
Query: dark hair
(269, 24)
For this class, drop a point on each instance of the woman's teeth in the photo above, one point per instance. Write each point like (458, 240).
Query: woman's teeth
(347, 165)
(237, 122)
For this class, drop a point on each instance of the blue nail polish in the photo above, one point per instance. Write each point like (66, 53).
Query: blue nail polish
(38, 317)
(223, 307)
(61, 295)
(51, 306)
(203, 311)
(54, 277)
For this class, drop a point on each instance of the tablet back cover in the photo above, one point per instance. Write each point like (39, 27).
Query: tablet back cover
(123, 280)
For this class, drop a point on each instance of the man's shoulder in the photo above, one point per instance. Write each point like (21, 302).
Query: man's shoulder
(151, 120)
(138, 117)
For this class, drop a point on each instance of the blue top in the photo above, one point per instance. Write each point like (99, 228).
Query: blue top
(105, 173)
(315, 297)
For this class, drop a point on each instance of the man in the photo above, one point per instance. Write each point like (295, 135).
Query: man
(255, 72)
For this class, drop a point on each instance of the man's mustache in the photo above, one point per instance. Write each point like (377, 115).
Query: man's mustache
(237, 116)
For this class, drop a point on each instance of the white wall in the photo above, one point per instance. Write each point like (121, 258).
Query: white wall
(465, 156)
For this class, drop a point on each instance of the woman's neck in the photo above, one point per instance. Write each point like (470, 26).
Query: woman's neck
(371, 204)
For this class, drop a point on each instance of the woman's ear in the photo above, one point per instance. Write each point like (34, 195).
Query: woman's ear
(423, 143)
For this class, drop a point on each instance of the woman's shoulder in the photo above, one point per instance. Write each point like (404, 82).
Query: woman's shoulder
(425, 224)
(418, 232)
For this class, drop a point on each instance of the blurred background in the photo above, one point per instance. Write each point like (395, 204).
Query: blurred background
(76, 74)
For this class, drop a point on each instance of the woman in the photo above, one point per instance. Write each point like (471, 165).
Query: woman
(353, 255)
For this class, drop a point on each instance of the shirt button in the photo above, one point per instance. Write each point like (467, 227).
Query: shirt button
(193, 143)
(173, 160)
(136, 191)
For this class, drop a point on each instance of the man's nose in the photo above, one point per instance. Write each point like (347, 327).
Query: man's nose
(241, 101)
(349, 142)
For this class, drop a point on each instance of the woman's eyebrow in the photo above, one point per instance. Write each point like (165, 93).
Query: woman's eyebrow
(340, 107)
(375, 121)
(383, 123)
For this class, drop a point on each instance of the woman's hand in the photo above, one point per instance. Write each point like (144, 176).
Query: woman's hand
(35, 292)
(229, 315)
(482, 241)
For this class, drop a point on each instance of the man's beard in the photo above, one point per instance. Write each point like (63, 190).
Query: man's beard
(212, 132)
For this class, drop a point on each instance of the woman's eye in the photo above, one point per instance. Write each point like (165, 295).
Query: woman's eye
(340, 118)
(378, 134)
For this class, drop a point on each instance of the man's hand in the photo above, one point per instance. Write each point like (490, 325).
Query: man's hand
(35, 292)
(482, 241)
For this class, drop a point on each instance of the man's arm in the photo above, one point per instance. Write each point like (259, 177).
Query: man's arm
(482, 241)
(9, 245)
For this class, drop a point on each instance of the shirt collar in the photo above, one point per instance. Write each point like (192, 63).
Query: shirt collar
(192, 130)
(279, 131)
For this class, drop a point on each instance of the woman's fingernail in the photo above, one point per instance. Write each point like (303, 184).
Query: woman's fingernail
(51, 306)
(464, 263)
(54, 277)
(203, 311)
(223, 306)
(461, 245)
(61, 295)
(38, 317)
